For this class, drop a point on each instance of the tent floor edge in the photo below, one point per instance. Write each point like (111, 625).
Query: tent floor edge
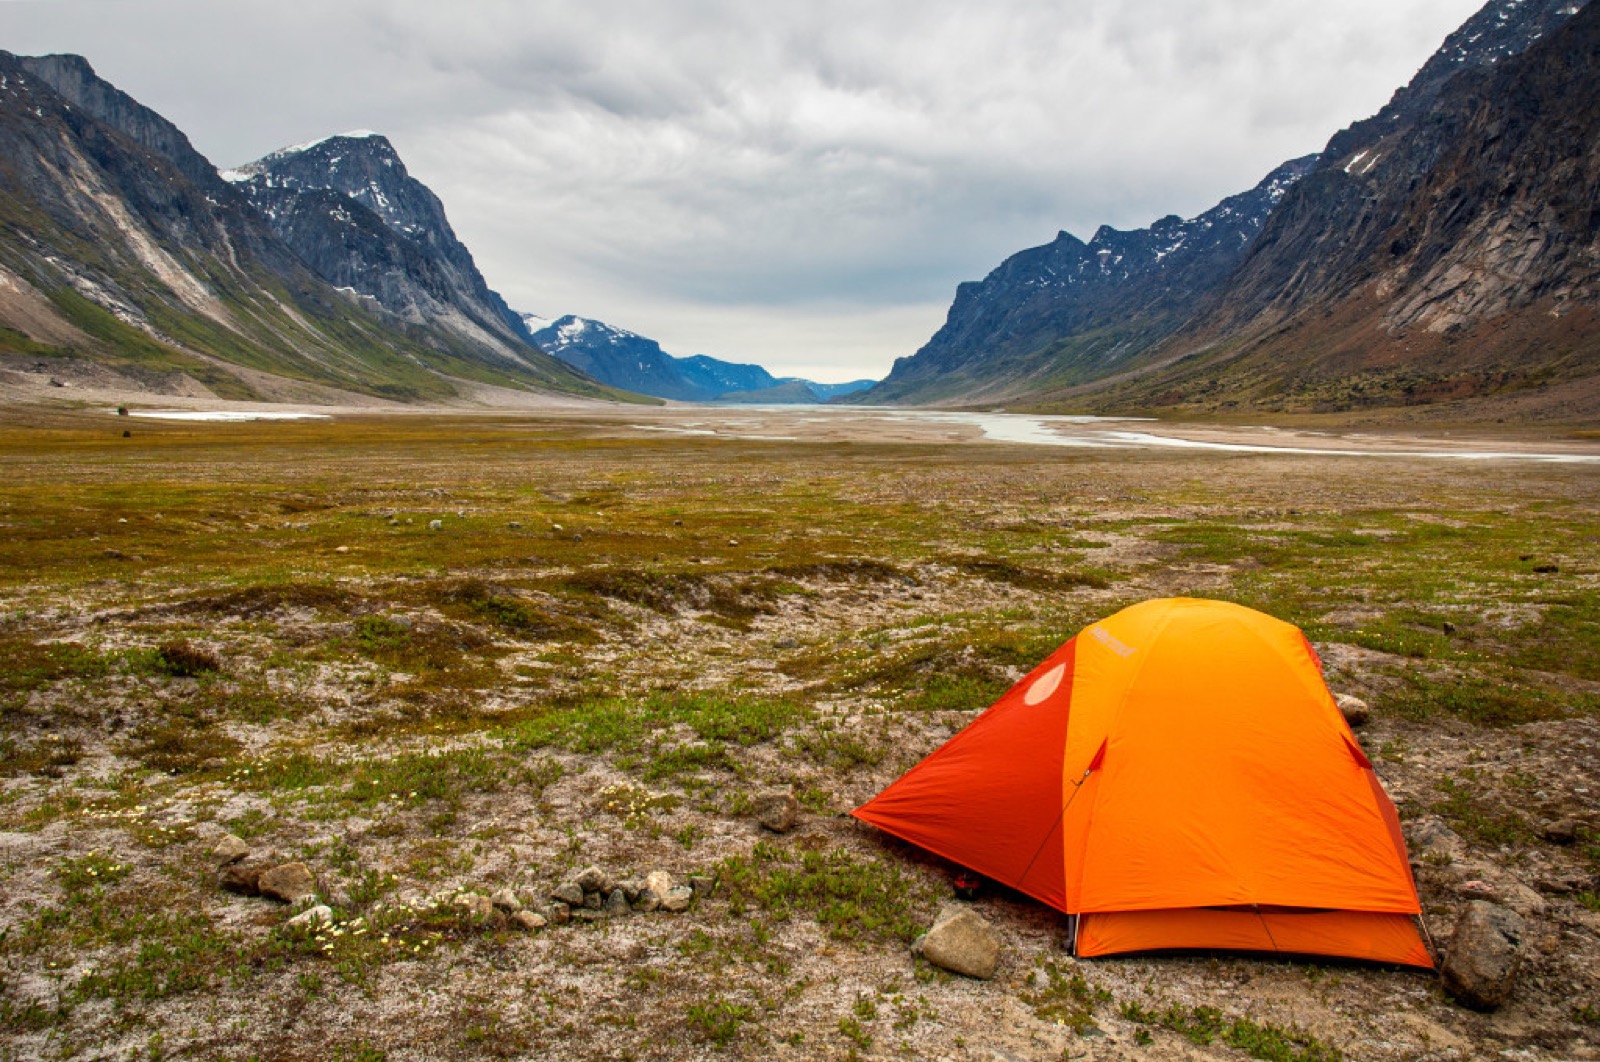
(1367, 936)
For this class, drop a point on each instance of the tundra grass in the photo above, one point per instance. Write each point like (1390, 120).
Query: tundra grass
(431, 653)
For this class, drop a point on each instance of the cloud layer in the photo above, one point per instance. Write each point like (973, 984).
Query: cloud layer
(799, 184)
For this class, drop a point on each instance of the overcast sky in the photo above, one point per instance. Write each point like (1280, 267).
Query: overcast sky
(796, 184)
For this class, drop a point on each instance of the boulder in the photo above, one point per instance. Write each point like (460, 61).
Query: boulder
(291, 883)
(777, 810)
(569, 893)
(593, 879)
(229, 850)
(677, 899)
(529, 920)
(505, 900)
(1355, 710)
(962, 942)
(1483, 956)
(242, 878)
(617, 903)
(320, 914)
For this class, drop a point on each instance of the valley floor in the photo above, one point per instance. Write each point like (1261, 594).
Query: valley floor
(432, 652)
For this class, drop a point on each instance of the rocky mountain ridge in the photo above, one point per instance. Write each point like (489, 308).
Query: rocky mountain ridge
(1158, 336)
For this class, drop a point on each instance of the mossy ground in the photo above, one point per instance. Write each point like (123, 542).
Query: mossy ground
(611, 642)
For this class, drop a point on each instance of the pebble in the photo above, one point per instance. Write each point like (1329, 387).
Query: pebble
(311, 916)
(229, 850)
(777, 810)
(529, 920)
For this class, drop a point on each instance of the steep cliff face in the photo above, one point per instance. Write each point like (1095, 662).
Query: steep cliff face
(1454, 256)
(349, 209)
(120, 244)
(1070, 310)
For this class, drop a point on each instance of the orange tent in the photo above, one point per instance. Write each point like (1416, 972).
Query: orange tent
(1178, 776)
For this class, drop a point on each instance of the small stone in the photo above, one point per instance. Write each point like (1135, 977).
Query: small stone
(290, 882)
(1354, 709)
(617, 903)
(475, 905)
(1433, 837)
(733, 542)
(529, 920)
(1562, 883)
(962, 942)
(593, 879)
(588, 914)
(559, 914)
(341, 549)
(786, 643)
(435, 525)
(241, 878)
(569, 893)
(229, 850)
(1475, 888)
(557, 527)
(311, 916)
(777, 810)
(702, 884)
(593, 901)
(677, 899)
(1484, 955)
(514, 525)
(577, 538)
(649, 900)
(1448, 628)
(505, 900)
(658, 882)
(1561, 832)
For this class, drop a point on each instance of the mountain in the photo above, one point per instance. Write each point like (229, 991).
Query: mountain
(1050, 322)
(121, 246)
(1063, 312)
(1448, 253)
(346, 205)
(627, 360)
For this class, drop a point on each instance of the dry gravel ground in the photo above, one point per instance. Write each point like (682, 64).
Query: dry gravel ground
(616, 637)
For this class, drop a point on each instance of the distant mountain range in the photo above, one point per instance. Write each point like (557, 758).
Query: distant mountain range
(320, 267)
(1444, 249)
(629, 361)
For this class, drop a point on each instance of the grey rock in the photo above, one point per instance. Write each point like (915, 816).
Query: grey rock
(702, 884)
(617, 903)
(649, 900)
(659, 882)
(677, 899)
(777, 810)
(514, 525)
(630, 888)
(242, 878)
(290, 882)
(593, 879)
(529, 920)
(1483, 956)
(592, 901)
(475, 905)
(1433, 837)
(505, 900)
(569, 893)
(1356, 712)
(435, 525)
(1561, 832)
(311, 916)
(962, 942)
(229, 850)
(559, 914)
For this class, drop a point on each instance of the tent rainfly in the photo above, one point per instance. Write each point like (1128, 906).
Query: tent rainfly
(1179, 777)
